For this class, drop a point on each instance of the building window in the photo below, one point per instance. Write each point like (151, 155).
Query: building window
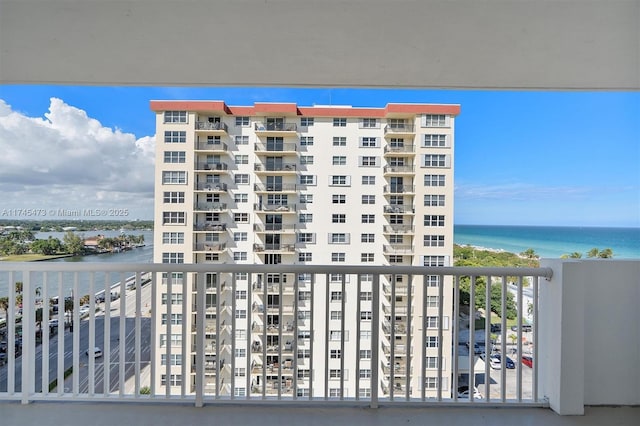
(241, 198)
(306, 121)
(173, 218)
(368, 199)
(369, 123)
(433, 301)
(239, 236)
(242, 159)
(173, 136)
(173, 237)
(366, 257)
(435, 141)
(365, 373)
(364, 392)
(366, 295)
(339, 160)
(176, 359)
(306, 159)
(434, 120)
(368, 218)
(173, 197)
(337, 257)
(433, 180)
(338, 218)
(368, 161)
(174, 178)
(433, 220)
(239, 392)
(339, 199)
(176, 298)
(304, 353)
(175, 157)
(172, 257)
(241, 294)
(241, 178)
(305, 257)
(240, 352)
(336, 354)
(340, 180)
(306, 198)
(176, 319)
(174, 380)
(369, 142)
(338, 238)
(368, 180)
(365, 334)
(336, 315)
(241, 313)
(241, 139)
(305, 218)
(434, 200)
(434, 240)
(433, 261)
(307, 179)
(432, 322)
(307, 237)
(436, 160)
(367, 238)
(242, 121)
(240, 255)
(431, 383)
(241, 217)
(432, 341)
(306, 140)
(175, 116)
(339, 141)
(365, 354)
(336, 335)
(339, 122)
(394, 258)
(176, 340)
(433, 280)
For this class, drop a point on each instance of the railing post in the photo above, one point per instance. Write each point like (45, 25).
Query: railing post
(561, 337)
(28, 337)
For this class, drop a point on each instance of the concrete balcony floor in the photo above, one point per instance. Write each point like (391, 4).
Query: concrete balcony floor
(83, 414)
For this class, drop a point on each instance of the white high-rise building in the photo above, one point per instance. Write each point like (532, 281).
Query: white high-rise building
(278, 183)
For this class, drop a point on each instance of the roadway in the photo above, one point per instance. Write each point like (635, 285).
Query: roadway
(64, 340)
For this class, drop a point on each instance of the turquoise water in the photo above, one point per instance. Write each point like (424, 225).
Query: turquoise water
(551, 241)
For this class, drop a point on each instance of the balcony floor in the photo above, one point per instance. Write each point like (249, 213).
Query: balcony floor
(83, 414)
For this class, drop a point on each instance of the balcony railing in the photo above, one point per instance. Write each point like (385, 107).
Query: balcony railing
(403, 149)
(399, 189)
(210, 226)
(399, 128)
(53, 356)
(398, 170)
(275, 127)
(211, 187)
(273, 227)
(282, 148)
(210, 207)
(398, 229)
(399, 209)
(278, 187)
(212, 166)
(289, 167)
(270, 208)
(289, 248)
(211, 126)
(215, 146)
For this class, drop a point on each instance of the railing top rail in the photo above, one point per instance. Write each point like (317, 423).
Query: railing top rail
(281, 268)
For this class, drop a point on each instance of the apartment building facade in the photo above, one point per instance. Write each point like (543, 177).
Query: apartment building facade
(278, 183)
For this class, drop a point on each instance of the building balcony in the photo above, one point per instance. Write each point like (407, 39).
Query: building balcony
(218, 128)
(280, 149)
(274, 228)
(284, 248)
(564, 360)
(399, 189)
(399, 130)
(211, 167)
(210, 227)
(275, 129)
(398, 229)
(210, 247)
(210, 207)
(212, 148)
(261, 169)
(399, 170)
(211, 187)
(275, 208)
(283, 187)
(398, 249)
(400, 151)
(399, 209)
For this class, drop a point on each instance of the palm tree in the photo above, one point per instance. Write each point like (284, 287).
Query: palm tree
(575, 255)
(530, 254)
(606, 254)
(4, 305)
(593, 252)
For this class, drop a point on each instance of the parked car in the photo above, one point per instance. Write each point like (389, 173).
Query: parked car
(496, 328)
(463, 392)
(97, 352)
(527, 360)
(495, 361)
(525, 327)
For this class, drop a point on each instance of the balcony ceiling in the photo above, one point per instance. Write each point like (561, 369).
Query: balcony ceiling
(524, 44)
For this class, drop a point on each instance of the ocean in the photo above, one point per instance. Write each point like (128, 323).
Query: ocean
(551, 241)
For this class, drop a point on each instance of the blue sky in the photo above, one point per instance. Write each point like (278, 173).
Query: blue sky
(521, 158)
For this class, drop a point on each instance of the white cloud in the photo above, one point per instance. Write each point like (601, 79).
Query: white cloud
(69, 160)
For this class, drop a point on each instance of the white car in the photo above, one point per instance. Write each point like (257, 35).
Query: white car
(495, 362)
(97, 352)
(463, 393)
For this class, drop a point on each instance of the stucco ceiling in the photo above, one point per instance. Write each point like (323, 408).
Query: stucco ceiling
(521, 44)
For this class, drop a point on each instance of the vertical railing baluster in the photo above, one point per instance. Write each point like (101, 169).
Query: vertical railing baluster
(326, 336)
(200, 332)
(92, 334)
(535, 281)
(343, 333)
(487, 338)
(375, 341)
(28, 337)
(503, 339)
(440, 332)
(106, 353)
(122, 333)
(456, 335)
(168, 335)
(357, 336)
(185, 331)
(46, 331)
(472, 317)
(75, 323)
(154, 330)
(137, 337)
(519, 333)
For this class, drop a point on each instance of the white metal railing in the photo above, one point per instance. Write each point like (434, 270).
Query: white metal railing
(160, 330)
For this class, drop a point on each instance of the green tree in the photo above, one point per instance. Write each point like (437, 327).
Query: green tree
(47, 247)
(73, 244)
(593, 252)
(480, 297)
(530, 254)
(4, 305)
(606, 253)
(19, 287)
